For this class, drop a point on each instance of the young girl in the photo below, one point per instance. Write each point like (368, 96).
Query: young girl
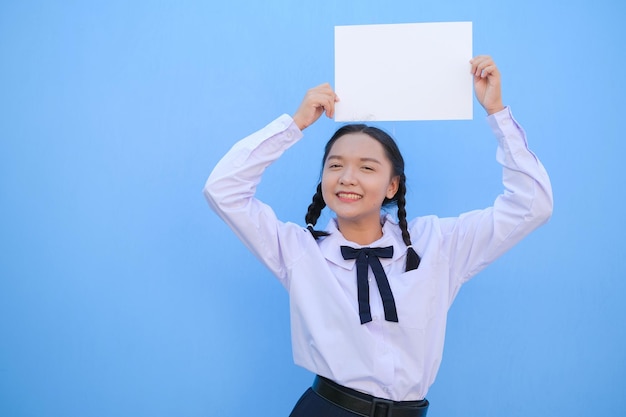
(369, 294)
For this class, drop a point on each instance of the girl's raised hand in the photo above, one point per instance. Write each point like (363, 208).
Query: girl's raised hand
(487, 83)
(317, 101)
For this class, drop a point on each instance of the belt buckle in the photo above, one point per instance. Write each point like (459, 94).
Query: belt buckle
(381, 401)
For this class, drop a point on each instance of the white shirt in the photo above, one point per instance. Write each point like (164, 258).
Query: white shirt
(397, 361)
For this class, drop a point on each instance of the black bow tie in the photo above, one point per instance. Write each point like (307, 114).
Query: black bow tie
(365, 257)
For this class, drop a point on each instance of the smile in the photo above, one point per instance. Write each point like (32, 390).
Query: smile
(349, 196)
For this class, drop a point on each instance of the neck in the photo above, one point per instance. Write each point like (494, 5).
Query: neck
(362, 233)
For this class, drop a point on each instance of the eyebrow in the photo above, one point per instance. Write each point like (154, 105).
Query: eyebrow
(365, 159)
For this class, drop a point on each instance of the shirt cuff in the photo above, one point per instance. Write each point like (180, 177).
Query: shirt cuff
(269, 141)
(501, 119)
(504, 125)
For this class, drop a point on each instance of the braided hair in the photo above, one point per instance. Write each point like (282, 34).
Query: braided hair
(397, 162)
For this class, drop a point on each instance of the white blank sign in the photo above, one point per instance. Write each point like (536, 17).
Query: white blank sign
(410, 71)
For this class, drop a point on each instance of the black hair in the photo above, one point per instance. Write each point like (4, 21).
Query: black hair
(397, 162)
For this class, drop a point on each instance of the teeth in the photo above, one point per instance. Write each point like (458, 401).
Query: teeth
(349, 196)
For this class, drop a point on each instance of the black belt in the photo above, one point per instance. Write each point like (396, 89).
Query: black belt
(366, 405)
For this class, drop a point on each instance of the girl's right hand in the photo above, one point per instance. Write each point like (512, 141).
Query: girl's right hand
(317, 101)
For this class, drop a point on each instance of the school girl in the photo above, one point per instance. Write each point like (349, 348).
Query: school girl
(369, 294)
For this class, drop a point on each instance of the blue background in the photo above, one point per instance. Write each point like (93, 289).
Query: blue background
(122, 294)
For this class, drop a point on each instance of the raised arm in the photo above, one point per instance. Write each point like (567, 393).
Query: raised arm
(477, 238)
(230, 189)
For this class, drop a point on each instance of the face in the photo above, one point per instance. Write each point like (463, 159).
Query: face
(357, 177)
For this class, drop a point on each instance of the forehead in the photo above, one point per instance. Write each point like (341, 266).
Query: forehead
(357, 145)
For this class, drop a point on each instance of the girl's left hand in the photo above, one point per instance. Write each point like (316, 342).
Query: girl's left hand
(487, 83)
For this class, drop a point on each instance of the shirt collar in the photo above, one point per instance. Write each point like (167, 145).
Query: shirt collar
(330, 245)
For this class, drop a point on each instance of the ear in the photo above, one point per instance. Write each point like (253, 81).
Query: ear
(392, 189)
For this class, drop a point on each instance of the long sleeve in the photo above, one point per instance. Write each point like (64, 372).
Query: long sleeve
(231, 187)
(477, 238)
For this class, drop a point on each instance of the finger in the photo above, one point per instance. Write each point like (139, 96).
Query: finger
(489, 70)
(485, 69)
(326, 100)
(322, 98)
(480, 58)
(330, 107)
(325, 103)
(479, 63)
(481, 66)
(324, 89)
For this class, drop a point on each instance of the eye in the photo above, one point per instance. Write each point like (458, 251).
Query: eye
(367, 168)
(331, 166)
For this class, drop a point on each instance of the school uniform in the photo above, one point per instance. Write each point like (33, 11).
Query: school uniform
(390, 360)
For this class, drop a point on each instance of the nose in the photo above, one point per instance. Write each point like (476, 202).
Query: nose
(347, 177)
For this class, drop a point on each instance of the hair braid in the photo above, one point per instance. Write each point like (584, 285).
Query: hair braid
(314, 211)
(412, 258)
